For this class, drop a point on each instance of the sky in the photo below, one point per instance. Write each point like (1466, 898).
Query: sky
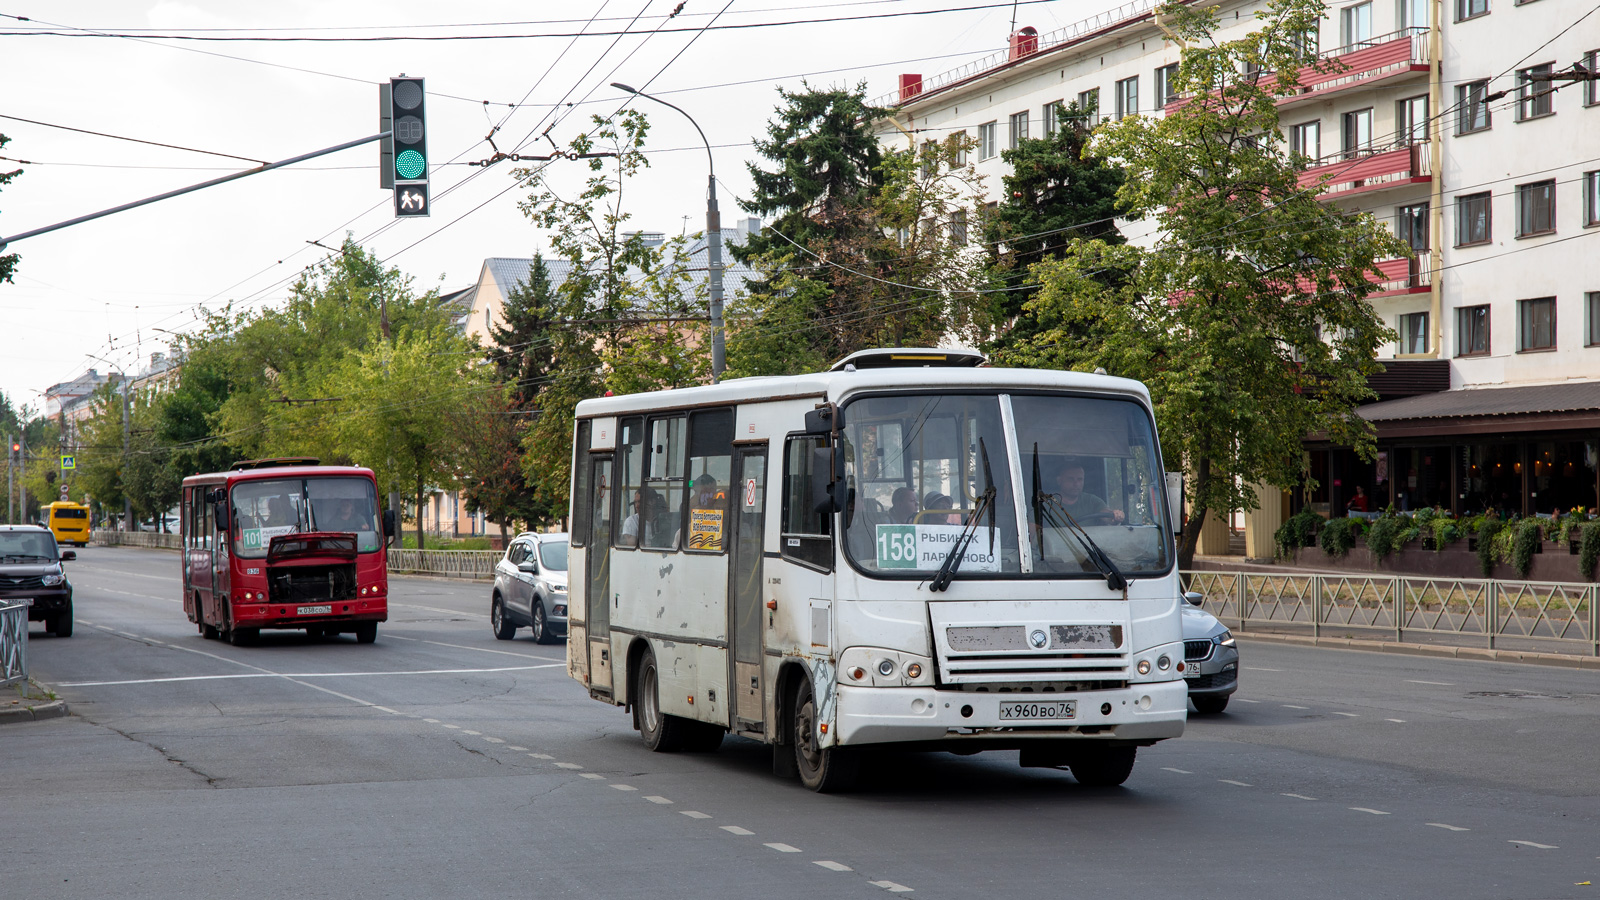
(108, 293)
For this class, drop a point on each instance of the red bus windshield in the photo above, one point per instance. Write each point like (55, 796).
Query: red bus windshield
(268, 508)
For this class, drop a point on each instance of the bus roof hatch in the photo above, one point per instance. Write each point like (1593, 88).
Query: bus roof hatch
(912, 358)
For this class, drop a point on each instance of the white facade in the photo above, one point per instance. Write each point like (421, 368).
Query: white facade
(1389, 133)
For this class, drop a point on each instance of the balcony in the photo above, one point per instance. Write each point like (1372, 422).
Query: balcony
(1370, 169)
(1368, 64)
(1407, 275)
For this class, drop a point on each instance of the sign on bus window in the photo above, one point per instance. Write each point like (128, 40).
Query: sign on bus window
(710, 468)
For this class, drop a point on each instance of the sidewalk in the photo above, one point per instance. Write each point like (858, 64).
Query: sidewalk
(28, 701)
(1481, 654)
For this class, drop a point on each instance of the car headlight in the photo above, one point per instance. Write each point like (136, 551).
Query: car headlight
(558, 589)
(54, 578)
(1225, 639)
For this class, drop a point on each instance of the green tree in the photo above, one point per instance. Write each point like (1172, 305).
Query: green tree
(521, 351)
(1248, 317)
(8, 261)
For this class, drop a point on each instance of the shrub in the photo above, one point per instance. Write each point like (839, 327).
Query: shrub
(1588, 549)
(1524, 543)
(1443, 531)
(1385, 535)
(1488, 530)
(1296, 531)
(1339, 535)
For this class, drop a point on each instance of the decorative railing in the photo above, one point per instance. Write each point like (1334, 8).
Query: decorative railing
(1525, 615)
(149, 539)
(13, 642)
(476, 564)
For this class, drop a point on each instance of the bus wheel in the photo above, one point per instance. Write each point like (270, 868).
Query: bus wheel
(826, 770)
(662, 733)
(243, 637)
(1103, 766)
(209, 631)
(366, 632)
(502, 627)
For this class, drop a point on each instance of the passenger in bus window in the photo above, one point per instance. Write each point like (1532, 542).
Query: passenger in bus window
(903, 506)
(939, 509)
(1084, 507)
(278, 512)
(647, 506)
(345, 518)
(705, 494)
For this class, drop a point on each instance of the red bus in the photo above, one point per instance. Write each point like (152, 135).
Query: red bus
(285, 544)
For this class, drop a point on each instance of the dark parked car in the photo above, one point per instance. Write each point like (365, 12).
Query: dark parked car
(30, 570)
(530, 588)
(1210, 658)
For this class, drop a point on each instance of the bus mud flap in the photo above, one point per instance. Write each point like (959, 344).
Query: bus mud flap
(824, 689)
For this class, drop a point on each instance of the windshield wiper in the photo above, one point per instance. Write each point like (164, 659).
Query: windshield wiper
(952, 560)
(1048, 506)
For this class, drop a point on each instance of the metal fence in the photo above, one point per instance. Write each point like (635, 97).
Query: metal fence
(477, 564)
(1508, 615)
(149, 539)
(13, 642)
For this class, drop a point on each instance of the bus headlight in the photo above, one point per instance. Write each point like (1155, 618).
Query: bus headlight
(886, 667)
(881, 667)
(1144, 667)
(1163, 663)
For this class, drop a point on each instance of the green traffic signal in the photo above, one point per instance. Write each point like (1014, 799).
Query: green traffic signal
(410, 164)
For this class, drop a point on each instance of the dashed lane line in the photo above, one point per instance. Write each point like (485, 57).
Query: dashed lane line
(1535, 845)
(292, 675)
(494, 740)
(1375, 812)
(1243, 700)
(1292, 706)
(694, 815)
(1229, 781)
(656, 798)
(782, 847)
(517, 749)
(455, 727)
(541, 756)
(469, 731)
(1435, 683)
(624, 787)
(1261, 669)
(1297, 796)
(891, 887)
(1448, 827)
(565, 765)
(734, 829)
(1347, 715)
(1396, 721)
(592, 776)
(832, 866)
(1179, 771)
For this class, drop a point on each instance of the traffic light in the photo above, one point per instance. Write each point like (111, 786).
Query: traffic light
(408, 123)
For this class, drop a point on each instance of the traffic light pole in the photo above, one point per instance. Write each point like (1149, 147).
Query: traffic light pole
(266, 167)
(10, 470)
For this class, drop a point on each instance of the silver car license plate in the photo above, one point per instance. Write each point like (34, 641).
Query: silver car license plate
(315, 610)
(1033, 710)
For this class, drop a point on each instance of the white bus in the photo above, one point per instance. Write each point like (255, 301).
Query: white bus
(911, 549)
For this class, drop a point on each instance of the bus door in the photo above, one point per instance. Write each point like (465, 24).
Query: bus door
(202, 537)
(597, 593)
(748, 502)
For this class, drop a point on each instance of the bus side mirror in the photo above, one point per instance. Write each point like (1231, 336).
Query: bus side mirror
(219, 513)
(388, 523)
(828, 485)
(1175, 501)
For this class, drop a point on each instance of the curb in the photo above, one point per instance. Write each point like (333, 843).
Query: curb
(1480, 654)
(55, 709)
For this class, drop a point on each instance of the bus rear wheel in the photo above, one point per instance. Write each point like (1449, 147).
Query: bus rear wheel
(1103, 766)
(662, 733)
(826, 770)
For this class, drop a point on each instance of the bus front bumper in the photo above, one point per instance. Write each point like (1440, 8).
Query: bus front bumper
(1147, 711)
(310, 614)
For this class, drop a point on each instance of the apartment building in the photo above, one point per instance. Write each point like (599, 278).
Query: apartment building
(1439, 125)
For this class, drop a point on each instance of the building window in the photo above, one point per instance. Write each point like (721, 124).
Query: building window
(1019, 128)
(1355, 26)
(1357, 132)
(1414, 15)
(1471, 9)
(1591, 88)
(1591, 199)
(1411, 226)
(1472, 112)
(958, 228)
(986, 142)
(1052, 117)
(1128, 97)
(1472, 219)
(1411, 120)
(1591, 310)
(1536, 208)
(1472, 331)
(1305, 140)
(1414, 333)
(1534, 98)
(961, 149)
(1536, 324)
(1165, 92)
(1089, 106)
(930, 159)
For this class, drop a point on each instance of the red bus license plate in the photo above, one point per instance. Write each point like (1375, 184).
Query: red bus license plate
(315, 610)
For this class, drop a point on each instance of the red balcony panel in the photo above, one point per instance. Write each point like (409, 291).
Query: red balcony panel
(1400, 55)
(1370, 170)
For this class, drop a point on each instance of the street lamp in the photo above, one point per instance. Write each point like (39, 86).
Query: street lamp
(713, 237)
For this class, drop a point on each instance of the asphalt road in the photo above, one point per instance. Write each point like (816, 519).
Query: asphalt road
(440, 762)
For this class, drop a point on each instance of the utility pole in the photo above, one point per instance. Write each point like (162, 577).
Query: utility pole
(10, 464)
(22, 483)
(127, 504)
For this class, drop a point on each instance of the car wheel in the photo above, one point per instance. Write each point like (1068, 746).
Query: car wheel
(1210, 705)
(366, 632)
(1103, 766)
(502, 627)
(662, 733)
(61, 623)
(541, 624)
(826, 770)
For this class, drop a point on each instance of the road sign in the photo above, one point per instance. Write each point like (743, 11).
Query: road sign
(68, 462)
(411, 200)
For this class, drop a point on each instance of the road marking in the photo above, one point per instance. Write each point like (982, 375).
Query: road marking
(891, 887)
(1534, 845)
(657, 799)
(388, 710)
(559, 662)
(541, 756)
(1179, 771)
(1436, 683)
(1448, 827)
(456, 727)
(517, 749)
(782, 848)
(593, 776)
(694, 815)
(1261, 669)
(1292, 706)
(473, 733)
(1299, 796)
(495, 740)
(1227, 781)
(568, 766)
(624, 787)
(1396, 721)
(1376, 812)
(734, 829)
(302, 675)
(1347, 715)
(1243, 700)
(831, 866)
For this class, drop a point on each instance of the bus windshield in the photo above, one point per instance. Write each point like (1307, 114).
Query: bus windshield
(920, 465)
(266, 509)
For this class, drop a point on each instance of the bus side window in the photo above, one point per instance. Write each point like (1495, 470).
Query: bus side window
(710, 468)
(582, 505)
(634, 505)
(661, 515)
(204, 516)
(807, 534)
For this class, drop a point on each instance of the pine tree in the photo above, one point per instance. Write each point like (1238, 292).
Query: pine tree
(523, 355)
